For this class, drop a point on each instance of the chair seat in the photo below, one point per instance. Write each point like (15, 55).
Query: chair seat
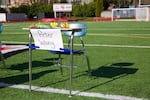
(68, 51)
(78, 32)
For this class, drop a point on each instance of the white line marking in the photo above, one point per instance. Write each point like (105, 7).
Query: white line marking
(118, 46)
(122, 35)
(116, 34)
(14, 42)
(93, 45)
(123, 29)
(63, 91)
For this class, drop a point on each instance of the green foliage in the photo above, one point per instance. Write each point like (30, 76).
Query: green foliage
(106, 4)
(37, 8)
(86, 10)
(77, 10)
(63, 1)
(32, 10)
(118, 3)
(99, 7)
(91, 9)
(20, 9)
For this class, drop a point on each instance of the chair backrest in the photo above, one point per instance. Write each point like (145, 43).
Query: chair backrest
(1, 27)
(80, 33)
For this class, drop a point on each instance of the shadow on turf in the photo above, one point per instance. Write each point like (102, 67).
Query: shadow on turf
(35, 64)
(9, 54)
(22, 78)
(114, 70)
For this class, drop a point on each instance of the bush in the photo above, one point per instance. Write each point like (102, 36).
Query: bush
(99, 7)
(90, 10)
(37, 8)
(20, 9)
(77, 10)
(86, 10)
(32, 10)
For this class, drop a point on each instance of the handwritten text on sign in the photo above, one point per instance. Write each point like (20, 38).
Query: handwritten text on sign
(47, 39)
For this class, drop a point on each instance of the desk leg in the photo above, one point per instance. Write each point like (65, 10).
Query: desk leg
(2, 59)
(71, 65)
(30, 61)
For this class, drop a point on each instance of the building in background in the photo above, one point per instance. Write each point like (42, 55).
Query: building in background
(16, 3)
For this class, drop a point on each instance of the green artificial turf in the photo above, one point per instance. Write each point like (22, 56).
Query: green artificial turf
(115, 70)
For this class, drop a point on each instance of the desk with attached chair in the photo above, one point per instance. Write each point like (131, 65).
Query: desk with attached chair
(74, 30)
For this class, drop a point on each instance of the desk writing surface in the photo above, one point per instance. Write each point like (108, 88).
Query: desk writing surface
(62, 29)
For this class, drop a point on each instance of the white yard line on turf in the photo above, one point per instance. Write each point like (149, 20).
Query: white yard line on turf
(123, 35)
(117, 46)
(116, 34)
(121, 29)
(14, 42)
(79, 93)
(93, 45)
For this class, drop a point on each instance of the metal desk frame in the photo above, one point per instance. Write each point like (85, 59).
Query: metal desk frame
(71, 59)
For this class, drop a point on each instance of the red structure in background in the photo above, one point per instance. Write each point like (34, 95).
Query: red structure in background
(103, 19)
(57, 20)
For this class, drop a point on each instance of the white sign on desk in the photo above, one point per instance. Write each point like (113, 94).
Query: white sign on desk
(47, 39)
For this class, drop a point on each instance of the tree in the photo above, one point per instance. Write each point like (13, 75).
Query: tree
(77, 10)
(42, 1)
(99, 7)
(63, 1)
(88, 9)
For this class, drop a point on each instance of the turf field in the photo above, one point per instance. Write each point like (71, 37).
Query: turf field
(119, 56)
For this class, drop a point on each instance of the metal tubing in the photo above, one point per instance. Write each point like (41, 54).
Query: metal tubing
(30, 61)
(71, 62)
